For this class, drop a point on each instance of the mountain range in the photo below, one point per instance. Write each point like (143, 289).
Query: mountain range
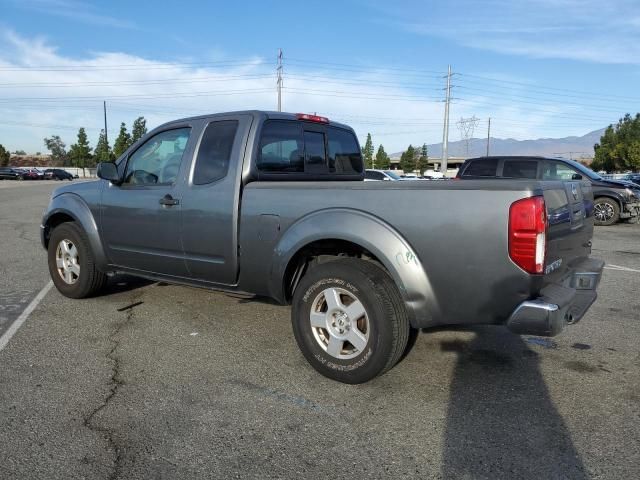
(569, 147)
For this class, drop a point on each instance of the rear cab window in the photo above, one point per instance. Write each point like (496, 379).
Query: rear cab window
(520, 168)
(485, 167)
(291, 149)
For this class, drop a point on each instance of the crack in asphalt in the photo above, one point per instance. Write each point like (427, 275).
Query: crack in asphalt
(115, 383)
(23, 230)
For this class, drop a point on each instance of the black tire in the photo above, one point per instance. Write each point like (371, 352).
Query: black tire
(388, 324)
(90, 280)
(606, 211)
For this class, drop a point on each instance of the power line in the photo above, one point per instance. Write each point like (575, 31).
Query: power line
(132, 66)
(132, 82)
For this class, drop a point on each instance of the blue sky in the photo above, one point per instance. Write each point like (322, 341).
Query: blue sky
(538, 68)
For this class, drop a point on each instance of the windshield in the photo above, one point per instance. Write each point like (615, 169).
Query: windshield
(392, 174)
(587, 171)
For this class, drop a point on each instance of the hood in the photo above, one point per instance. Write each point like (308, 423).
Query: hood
(617, 183)
(77, 187)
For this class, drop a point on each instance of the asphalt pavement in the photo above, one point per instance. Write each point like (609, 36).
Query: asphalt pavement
(157, 381)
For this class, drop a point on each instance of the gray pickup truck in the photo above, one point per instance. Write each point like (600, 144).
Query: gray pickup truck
(275, 204)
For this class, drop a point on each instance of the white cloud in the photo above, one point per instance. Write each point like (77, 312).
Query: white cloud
(75, 10)
(585, 30)
(43, 92)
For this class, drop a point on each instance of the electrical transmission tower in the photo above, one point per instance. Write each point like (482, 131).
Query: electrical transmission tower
(467, 126)
(279, 83)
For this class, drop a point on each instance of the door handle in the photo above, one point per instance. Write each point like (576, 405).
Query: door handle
(169, 201)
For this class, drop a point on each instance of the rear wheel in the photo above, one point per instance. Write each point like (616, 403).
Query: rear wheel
(72, 263)
(349, 320)
(606, 211)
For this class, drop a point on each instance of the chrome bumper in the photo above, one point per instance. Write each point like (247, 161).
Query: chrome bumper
(559, 304)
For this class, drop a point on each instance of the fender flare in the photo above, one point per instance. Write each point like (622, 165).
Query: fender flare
(75, 207)
(371, 233)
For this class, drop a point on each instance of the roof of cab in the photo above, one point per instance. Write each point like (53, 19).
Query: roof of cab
(265, 114)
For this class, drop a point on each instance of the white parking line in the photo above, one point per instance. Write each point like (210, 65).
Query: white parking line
(622, 269)
(11, 331)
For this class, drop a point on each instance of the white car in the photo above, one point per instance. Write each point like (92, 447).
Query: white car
(372, 175)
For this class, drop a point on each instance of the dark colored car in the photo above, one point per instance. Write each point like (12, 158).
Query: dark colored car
(10, 173)
(57, 174)
(613, 199)
(29, 174)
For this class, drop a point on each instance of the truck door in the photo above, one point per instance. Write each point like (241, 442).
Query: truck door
(140, 219)
(211, 201)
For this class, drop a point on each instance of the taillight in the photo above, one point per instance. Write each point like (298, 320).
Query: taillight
(527, 234)
(312, 118)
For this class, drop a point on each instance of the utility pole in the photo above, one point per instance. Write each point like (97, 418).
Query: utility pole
(488, 135)
(279, 72)
(445, 134)
(104, 105)
(467, 126)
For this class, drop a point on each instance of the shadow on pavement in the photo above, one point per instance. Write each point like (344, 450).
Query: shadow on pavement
(123, 283)
(501, 422)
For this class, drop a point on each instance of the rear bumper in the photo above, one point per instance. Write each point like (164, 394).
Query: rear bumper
(559, 304)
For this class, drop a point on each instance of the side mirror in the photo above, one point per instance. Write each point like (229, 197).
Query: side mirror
(108, 171)
(576, 176)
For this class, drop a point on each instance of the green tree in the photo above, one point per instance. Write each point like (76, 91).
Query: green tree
(408, 160)
(4, 156)
(619, 147)
(424, 157)
(122, 142)
(19, 152)
(102, 152)
(367, 152)
(59, 155)
(138, 129)
(80, 152)
(382, 159)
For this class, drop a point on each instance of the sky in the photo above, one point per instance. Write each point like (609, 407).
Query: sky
(537, 68)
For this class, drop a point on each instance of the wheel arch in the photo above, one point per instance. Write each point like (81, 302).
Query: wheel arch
(348, 232)
(610, 196)
(69, 207)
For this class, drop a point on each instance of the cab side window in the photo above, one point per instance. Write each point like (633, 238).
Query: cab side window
(157, 161)
(214, 153)
(557, 171)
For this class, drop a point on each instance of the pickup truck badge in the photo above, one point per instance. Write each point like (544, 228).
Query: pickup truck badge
(553, 266)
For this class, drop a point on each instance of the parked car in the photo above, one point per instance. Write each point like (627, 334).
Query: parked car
(385, 175)
(275, 204)
(38, 173)
(632, 177)
(57, 174)
(29, 174)
(10, 173)
(613, 199)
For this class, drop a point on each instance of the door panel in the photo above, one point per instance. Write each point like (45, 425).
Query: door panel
(140, 219)
(211, 201)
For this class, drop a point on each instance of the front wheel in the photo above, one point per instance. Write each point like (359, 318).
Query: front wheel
(606, 211)
(72, 263)
(349, 320)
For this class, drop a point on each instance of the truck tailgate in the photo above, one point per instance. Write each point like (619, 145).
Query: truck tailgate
(570, 225)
